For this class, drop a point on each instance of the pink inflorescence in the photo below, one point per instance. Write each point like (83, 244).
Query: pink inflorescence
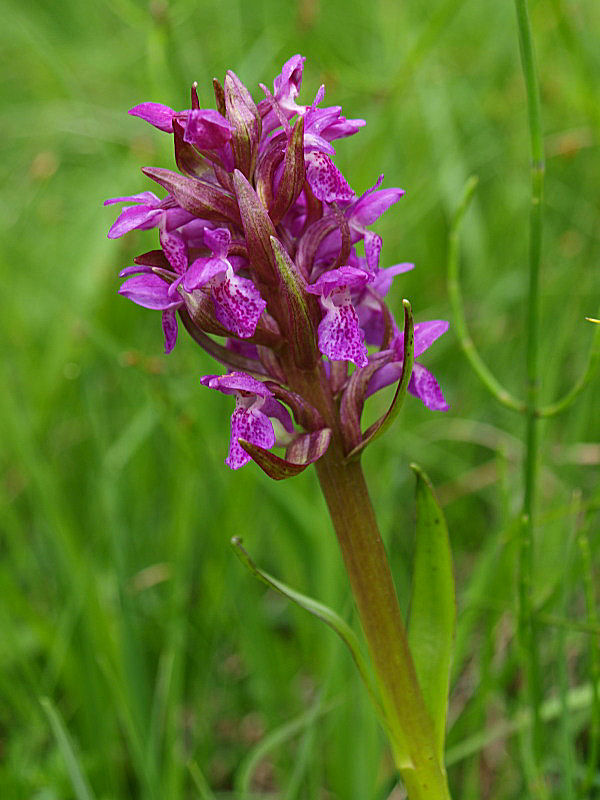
(258, 234)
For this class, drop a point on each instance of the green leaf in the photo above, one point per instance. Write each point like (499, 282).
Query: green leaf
(384, 422)
(81, 787)
(322, 612)
(432, 619)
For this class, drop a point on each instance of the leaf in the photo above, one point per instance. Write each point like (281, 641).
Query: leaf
(305, 450)
(81, 787)
(322, 612)
(384, 422)
(432, 618)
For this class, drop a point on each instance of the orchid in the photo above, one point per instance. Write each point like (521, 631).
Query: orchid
(254, 174)
(250, 421)
(268, 258)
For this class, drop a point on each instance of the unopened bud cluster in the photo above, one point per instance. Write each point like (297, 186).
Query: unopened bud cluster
(258, 238)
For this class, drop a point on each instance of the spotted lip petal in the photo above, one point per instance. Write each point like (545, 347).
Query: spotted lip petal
(252, 426)
(257, 188)
(340, 335)
(326, 181)
(238, 304)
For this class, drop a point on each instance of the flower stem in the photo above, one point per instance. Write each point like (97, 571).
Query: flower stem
(410, 726)
(527, 624)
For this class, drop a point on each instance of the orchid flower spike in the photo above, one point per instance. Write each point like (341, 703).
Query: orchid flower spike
(268, 257)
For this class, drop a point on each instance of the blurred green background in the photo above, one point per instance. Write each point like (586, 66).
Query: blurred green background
(138, 658)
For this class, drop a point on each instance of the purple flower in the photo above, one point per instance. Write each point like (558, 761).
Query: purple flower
(237, 302)
(254, 404)
(149, 290)
(340, 334)
(207, 129)
(147, 212)
(260, 257)
(369, 305)
(325, 179)
(156, 114)
(422, 383)
(327, 124)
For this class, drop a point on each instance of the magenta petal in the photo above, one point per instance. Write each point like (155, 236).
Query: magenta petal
(342, 128)
(427, 332)
(193, 278)
(272, 408)
(148, 291)
(234, 382)
(206, 129)
(340, 335)
(156, 114)
(372, 205)
(287, 84)
(218, 240)
(145, 198)
(326, 181)
(253, 426)
(373, 244)
(175, 249)
(424, 386)
(388, 374)
(203, 270)
(425, 335)
(238, 304)
(169, 324)
(135, 270)
(384, 277)
(338, 279)
(134, 217)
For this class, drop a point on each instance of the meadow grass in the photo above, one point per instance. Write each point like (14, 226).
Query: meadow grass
(139, 660)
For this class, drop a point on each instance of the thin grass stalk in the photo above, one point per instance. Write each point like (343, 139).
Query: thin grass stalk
(592, 621)
(528, 638)
(566, 733)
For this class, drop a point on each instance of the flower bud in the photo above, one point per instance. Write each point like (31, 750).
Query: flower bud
(293, 176)
(243, 116)
(186, 156)
(200, 198)
(258, 230)
(301, 332)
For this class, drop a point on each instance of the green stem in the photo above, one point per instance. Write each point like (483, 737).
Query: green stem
(373, 588)
(592, 365)
(491, 383)
(410, 728)
(592, 622)
(527, 624)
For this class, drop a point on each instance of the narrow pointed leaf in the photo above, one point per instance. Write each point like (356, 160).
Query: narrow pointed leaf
(292, 179)
(219, 96)
(200, 198)
(384, 422)
(353, 398)
(302, 338)
(307, 449)
(305, 414)
(322, 612)
(432, 619)
(258, 229)
(245, 120)
(187, 157)
(81, 787)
